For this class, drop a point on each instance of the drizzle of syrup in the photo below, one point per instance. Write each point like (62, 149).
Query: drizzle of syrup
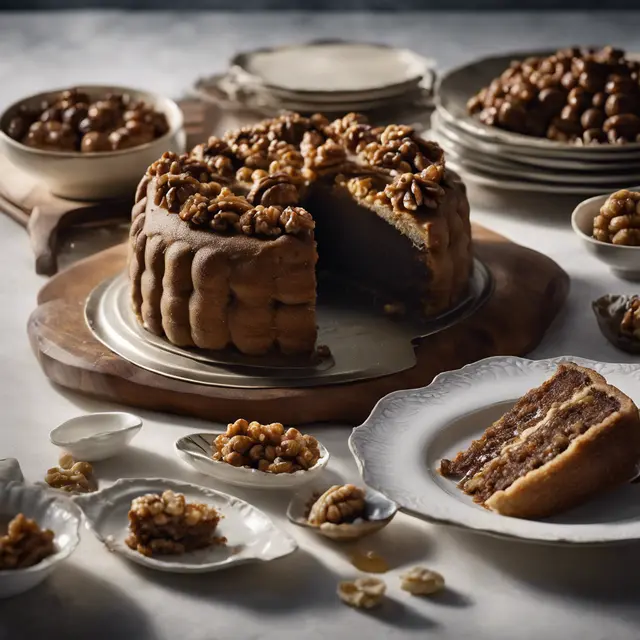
(369, 562)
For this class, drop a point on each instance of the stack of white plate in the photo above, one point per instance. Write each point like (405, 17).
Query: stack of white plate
(492, 157)
(327, 77)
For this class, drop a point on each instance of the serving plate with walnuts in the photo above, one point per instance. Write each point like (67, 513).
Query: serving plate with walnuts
(249, 454)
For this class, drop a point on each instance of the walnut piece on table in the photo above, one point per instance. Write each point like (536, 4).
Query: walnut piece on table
(337, 505)
(71, 476)
(362, 593)
(421, 581)
(266, 447)
(168, 524)
(25, 544)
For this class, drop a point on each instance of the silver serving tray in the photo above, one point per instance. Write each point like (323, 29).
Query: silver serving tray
(364, 342)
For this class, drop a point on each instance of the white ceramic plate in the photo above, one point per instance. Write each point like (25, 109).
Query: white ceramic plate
(51, 510)
(457, 86)
(251, 535)
(399, 447)
(623, 260)
(196, 449)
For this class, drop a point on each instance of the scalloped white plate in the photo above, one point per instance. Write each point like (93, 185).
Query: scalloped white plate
(251, 535)
(196, 449)
(399, 447)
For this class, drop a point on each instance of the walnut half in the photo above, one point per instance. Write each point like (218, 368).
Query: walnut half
(363, 593)
(421, 581)
(337, 505)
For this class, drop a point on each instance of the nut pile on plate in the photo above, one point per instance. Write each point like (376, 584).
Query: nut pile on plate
(24, 544)
(579, 96)
(266, 447)
(72, 121)
(619, 219)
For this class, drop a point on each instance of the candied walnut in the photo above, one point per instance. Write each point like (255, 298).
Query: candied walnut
(310, 141)
(363, 593)
(168, 524)
(395, 132)
(630, 324)
(174, 190)
(24, 544)
(71, 476)
(289, 127)
(213, 147)
(296, 220)
(196, 209)
(360, 186)
(261, 220)
(268, 447)
(619, 219)
(409, 192)
(276, 189)
(247, 174)
(340, 126)
(421, 581)
(164, 164)
(358, 136)
(221, 166)
(328, 157)
(337, 505)
(286, 154)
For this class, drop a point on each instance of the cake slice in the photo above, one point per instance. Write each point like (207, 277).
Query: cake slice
(561, 443)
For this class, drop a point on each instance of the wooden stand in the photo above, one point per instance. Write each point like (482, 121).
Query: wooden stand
(529, 291)
(44, 215)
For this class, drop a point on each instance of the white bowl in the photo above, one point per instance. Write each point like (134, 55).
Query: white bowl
(624, 261)
(196, 449)
(51, 510)
(251, 535)
(94, 176)
(96, 436)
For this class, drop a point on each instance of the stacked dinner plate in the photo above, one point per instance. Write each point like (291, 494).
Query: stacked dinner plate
(329, 77)
(495, 158)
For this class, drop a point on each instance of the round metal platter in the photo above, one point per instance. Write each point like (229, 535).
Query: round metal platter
(364, 342)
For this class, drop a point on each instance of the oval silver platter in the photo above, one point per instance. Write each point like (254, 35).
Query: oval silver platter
(364, 342)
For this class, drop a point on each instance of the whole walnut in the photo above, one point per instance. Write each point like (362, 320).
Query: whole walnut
(276, 189)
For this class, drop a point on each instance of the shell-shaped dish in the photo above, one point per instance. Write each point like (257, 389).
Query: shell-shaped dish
(379, 511)
(250, 533)
(96, 436)
(51, 511)
(609, 311)
(197, 449)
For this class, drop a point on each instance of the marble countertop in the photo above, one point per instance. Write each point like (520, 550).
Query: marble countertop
(499, 590)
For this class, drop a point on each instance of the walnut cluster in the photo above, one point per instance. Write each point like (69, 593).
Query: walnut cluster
(412, 191)
(337, 505)
(267, 447)
(579, 96)
(619, 219)
(24, 544)
(168, 524)
(71, 476)
(630, 325)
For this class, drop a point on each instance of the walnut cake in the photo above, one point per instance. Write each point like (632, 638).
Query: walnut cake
(225, 239)
(561, 443)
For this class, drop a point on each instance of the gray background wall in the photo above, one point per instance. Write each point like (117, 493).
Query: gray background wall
(320, 5)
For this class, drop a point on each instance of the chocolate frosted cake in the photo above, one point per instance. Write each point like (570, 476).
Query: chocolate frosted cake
(561, 443)
(223, 240)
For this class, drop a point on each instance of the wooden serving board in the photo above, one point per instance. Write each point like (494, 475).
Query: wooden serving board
(44, 215)
(529, 291)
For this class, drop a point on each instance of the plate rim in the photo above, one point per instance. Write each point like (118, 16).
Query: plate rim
(180, 567)
(494, 525)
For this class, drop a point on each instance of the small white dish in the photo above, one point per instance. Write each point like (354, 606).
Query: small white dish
(197, 449)
(94, 176)
(50, 510)
(399, 447)
(250, 533)
(624, 261)
(379, 512)
(96, 436)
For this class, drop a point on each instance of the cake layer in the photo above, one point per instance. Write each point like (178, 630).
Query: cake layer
(212, 291)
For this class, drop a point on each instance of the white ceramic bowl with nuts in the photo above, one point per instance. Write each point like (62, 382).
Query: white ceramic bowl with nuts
(96, 436)
(50, 510)
(623, 260)
(197, 450)
(93, 176)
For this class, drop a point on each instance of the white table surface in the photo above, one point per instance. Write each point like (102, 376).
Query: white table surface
(498, 590)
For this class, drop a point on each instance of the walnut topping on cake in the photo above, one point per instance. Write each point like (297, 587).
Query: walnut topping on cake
(329, 156)
(410, 191)
(360, 186)
(340, 126)
(274, 189)
(261, 220)
(24, 544)
(619, 219)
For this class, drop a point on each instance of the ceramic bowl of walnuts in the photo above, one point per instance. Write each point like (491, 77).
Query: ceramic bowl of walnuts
(39, 529)
(260, 456)
(609, 228)
(90, 142)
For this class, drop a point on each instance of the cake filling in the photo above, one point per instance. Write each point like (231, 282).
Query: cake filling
(529, 411)
(542, 444)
